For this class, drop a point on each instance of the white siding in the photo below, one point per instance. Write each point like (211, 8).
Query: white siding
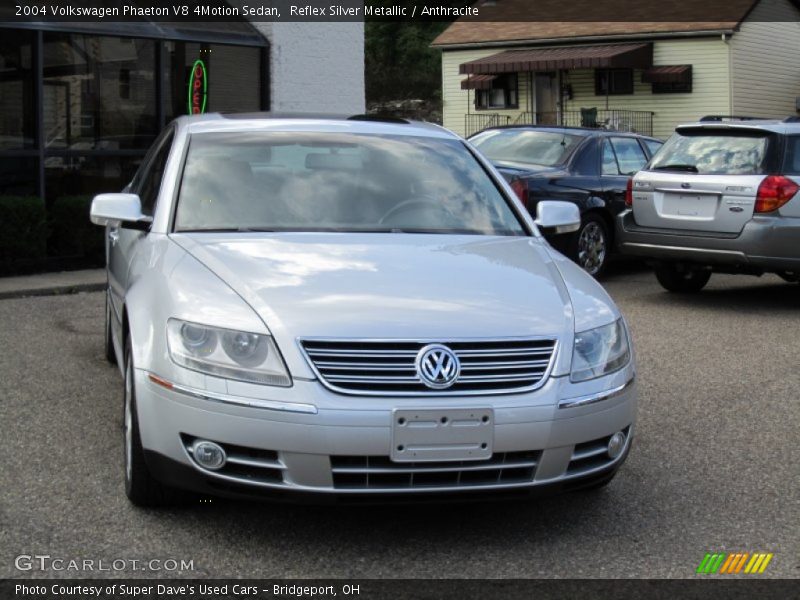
(711, 90)
(456, 101)
(765, 58)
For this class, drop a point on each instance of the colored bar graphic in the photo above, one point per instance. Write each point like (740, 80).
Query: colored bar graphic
(728, 564)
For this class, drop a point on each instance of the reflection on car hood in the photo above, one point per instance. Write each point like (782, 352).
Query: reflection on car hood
(390, 285)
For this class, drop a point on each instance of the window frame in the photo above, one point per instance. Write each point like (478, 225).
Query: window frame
(500, 83)
(165, 141)
(600, 74)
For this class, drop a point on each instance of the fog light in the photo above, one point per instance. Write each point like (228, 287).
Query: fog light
(616, 444)
(209, 454)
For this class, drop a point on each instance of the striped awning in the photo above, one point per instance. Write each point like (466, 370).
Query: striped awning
(637, 56)
(478, 82)
(668, 74)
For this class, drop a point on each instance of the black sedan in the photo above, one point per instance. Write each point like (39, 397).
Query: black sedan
(590, 167)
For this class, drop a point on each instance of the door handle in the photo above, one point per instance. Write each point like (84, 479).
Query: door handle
(113, 236)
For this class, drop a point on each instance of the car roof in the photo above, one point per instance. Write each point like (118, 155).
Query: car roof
(581, 131)
(773, 125)
(321, 123)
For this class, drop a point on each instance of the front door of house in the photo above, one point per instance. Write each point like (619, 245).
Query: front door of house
(546, 95)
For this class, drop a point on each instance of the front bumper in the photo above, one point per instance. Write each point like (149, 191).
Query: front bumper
(766, 243)
(342, 448)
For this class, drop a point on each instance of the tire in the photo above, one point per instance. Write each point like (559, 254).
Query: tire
(682, 281)
(141, 488)
(591, 245)
(111, 355)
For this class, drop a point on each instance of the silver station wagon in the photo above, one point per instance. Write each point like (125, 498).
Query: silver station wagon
(720, 196)
(332, 307)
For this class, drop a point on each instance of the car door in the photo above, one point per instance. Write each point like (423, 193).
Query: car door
(123, 242)
(622, 157)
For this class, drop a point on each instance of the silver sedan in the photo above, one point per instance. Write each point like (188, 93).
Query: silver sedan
(338, 307)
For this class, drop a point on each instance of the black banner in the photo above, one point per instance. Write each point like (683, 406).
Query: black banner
(717, 13)
(396, 589)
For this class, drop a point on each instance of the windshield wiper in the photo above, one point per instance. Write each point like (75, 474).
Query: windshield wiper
(676, 167)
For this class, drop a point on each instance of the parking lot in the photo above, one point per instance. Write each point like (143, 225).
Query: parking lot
(714, 466)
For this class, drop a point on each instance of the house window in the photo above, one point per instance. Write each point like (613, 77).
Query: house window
(503, 94)
(613, 82)
(673, 87)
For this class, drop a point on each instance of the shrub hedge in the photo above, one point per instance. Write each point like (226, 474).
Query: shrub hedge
(71, 232)
(35, 238)
(23, 229)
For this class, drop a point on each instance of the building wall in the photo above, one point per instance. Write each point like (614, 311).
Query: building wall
(710, 95)
(765, 61)
(316, 67)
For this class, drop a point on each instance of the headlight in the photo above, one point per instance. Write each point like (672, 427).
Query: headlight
(599, 351)
(240, 355)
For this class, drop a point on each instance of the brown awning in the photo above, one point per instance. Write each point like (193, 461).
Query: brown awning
(668, 74)
(639, 56)
(478, 82)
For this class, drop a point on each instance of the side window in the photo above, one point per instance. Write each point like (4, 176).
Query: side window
(630, 156)
(150, 182)
(652, 146)
(792, 165)
(609, 160)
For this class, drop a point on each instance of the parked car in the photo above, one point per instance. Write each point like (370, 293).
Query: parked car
(721, 196)
(589, 167)
(348, 307)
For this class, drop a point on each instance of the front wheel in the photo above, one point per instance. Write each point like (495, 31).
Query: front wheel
(682, 280)
(591, 246)
(111, 355)
(141, 487)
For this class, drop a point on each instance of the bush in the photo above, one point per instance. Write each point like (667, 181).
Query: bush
(71, 232)
(23, 229)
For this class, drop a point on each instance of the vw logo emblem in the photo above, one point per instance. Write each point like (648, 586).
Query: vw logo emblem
(437, 366)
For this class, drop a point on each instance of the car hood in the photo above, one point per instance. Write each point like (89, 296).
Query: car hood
(390, 285)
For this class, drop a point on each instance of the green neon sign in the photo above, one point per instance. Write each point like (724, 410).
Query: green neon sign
(197, 94)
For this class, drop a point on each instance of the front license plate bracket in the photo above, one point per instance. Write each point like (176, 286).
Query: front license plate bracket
(442, 434)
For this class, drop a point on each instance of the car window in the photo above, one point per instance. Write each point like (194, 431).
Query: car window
(610, 166)
(713, 152)
(630, 156)
(653, 146)
(548, 148)
(152, 174)
(300, 181)
(792, 159)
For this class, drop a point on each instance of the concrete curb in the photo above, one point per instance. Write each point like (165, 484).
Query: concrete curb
(59, 290)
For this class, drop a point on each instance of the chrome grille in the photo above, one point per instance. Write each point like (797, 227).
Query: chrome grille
(380, 473)
(373, 367)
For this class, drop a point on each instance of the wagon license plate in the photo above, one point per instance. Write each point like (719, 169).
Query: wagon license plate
(447, 434)
(690, 205)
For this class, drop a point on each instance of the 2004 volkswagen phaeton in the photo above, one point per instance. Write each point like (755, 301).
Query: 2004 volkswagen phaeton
(352, 307)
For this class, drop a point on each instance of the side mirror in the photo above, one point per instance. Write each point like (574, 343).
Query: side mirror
(557, 217)
(119, 210)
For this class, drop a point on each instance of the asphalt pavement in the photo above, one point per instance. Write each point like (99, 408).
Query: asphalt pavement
(714, 467)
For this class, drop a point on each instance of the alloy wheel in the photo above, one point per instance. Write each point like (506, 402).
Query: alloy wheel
(592, 248)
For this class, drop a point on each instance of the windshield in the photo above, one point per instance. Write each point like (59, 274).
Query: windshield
(546, 148)
(279, 181)
(713, 153)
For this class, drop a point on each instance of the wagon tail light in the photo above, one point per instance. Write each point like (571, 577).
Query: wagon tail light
(521, 190)
(629, 193)
(774, 192)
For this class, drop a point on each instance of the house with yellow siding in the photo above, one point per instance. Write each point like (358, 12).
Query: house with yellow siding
(638, 76)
